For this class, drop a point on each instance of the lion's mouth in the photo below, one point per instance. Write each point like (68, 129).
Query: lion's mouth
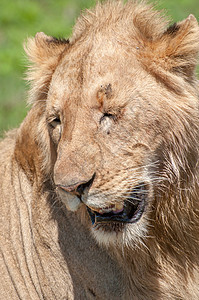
(130, 211)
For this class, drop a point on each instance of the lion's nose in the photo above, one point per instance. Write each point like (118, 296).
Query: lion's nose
(78, 188)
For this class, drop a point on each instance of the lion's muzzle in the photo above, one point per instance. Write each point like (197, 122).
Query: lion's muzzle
(71, 194)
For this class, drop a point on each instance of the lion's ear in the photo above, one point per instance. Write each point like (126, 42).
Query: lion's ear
(43, 52)
(176, 50)
(181, 43)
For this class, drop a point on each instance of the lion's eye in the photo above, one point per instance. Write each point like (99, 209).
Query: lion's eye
(106, 122)
(55, 129)
(107, 116)
(55, 122)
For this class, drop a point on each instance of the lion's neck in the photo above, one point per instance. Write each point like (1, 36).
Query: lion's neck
(49, 242)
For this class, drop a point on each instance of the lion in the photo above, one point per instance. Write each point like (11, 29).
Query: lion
(99, 185)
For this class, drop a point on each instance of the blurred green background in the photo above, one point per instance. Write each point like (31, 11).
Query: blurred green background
(20, 19)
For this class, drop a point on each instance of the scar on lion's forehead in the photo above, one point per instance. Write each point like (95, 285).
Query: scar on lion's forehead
(104, 91)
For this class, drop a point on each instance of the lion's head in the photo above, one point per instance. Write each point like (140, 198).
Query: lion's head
(118, 119)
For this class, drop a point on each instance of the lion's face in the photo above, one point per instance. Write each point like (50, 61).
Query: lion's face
(107, 121)
(118, 111)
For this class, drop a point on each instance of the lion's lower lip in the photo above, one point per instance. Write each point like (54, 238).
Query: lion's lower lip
(133, 209)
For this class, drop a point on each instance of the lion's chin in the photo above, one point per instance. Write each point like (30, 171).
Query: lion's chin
(119, 235)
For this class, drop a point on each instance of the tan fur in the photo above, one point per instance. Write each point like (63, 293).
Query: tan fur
(118, 104)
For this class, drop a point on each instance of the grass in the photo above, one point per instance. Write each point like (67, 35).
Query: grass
(20, 19)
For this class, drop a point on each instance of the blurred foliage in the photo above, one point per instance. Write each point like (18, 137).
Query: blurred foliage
(20, 19)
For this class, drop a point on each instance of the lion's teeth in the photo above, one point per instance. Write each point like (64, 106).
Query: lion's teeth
(119, 207)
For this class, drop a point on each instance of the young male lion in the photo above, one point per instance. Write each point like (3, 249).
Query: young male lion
(99, 185)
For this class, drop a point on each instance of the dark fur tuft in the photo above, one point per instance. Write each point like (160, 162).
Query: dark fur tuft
(59, 41)
(172, 29)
